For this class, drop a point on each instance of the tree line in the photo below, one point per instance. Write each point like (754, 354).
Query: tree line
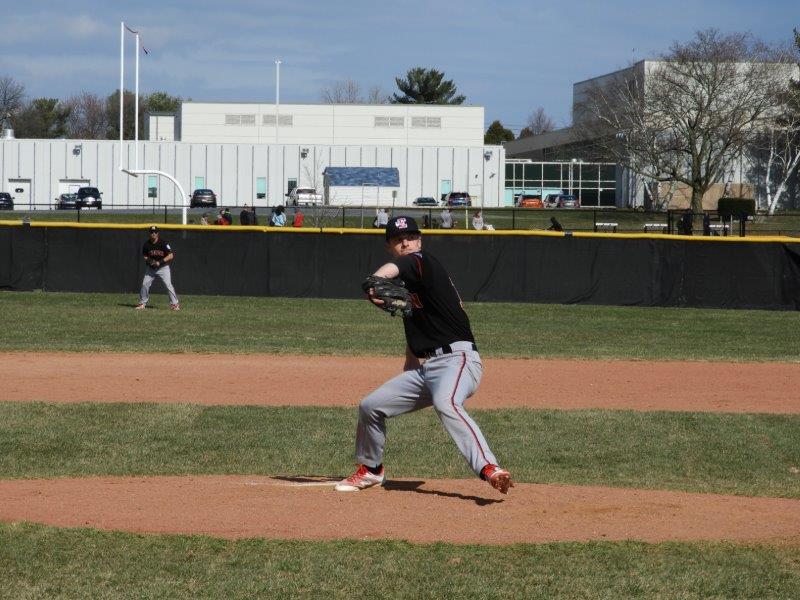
(85, 115)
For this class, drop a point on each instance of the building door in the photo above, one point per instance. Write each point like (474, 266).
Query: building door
(445, 187)
(20, 189)
(70, 186)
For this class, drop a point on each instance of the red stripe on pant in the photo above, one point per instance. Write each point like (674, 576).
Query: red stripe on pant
(455, 408)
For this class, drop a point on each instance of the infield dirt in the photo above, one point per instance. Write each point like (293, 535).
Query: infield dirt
(458, 511)
(255, 379)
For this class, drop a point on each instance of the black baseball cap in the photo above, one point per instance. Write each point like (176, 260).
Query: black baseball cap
(400, 225)
(154, 229)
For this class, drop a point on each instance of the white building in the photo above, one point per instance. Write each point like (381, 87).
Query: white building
(422, 125)
(240, 173)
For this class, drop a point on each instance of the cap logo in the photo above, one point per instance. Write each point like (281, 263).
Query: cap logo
(400, 223)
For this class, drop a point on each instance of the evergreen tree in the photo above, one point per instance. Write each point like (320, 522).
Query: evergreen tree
(426, 86)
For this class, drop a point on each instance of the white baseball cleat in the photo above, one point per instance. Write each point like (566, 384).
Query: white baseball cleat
(139, 306)
(360, 480)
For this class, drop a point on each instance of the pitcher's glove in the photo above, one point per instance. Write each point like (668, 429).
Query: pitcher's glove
(396, 298)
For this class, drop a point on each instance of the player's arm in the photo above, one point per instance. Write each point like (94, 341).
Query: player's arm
(167, 258)
(412, 362)
(389, 271)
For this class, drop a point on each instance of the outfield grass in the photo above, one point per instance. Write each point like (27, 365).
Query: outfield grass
(732, 454)
(37, 321)
(39, 562)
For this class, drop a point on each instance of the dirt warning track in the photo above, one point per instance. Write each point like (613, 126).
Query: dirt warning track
(343, 381)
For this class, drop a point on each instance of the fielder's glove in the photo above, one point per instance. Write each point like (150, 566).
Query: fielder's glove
(396, 298)
(154, 264)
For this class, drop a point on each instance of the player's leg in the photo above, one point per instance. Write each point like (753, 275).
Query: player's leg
(401, 394)
(144, 293)
(166, 276)
(452, 379)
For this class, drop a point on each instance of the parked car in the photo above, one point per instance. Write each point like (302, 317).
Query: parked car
(425, 201)
(6, 201)
(568, 201)
(67, 202)
(203, 197)
(90, 197)
(529, 201)
(562, 201)
(457, 199)
(304, 196)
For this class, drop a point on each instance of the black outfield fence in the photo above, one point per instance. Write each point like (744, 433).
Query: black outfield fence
(640, 270)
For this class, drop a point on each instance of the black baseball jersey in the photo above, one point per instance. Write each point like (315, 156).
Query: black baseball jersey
(156, 251)
(437, 317)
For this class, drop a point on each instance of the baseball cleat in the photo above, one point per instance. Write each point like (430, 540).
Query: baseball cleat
(360, 480)
(140, 307)
(175, 306)
(498, 478)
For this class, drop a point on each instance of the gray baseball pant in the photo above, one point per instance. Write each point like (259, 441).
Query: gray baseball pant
(162, 273)
(443, 382)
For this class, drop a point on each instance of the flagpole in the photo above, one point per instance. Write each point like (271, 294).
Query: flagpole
(136, 107)
(121, 83)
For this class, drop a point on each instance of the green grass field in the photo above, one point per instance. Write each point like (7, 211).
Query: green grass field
(743, 454)
(43, 562)
(699, 452)
(107, 322)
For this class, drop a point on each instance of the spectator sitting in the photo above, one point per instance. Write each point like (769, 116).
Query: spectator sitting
(555, 225)
(246, 216)
(278, 218)
(221, 220)
(204, 219)
(299, 217)
(477, 221)
(226, 214)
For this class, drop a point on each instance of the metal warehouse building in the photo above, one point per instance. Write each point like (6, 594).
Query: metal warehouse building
(255, 153)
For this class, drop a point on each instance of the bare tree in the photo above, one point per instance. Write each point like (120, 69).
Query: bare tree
(775, 155)
(12, 98)
(88, 118)
(342, 92)
(689, 115)
(376, 95)
(538, 123)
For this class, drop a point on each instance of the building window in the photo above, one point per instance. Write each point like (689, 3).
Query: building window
(427, 122)
(152, 186)
(284, 120)
(261, 187)
(240, 119)
(199, 183)
(390, 122)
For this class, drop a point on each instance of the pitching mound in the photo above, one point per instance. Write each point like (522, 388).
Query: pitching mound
(343, 381)
(419, 511)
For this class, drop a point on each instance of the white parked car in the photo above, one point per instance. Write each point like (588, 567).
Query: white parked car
(304, 197)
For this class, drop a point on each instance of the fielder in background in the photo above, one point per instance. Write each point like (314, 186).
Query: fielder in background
(442, 367)
(157, 254)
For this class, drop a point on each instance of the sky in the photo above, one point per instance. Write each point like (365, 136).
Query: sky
(509, 57)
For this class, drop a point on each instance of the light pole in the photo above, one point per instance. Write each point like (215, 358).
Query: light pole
(136, 171)
(277, 97)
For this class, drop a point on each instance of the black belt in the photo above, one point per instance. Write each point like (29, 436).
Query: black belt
(449, 349)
